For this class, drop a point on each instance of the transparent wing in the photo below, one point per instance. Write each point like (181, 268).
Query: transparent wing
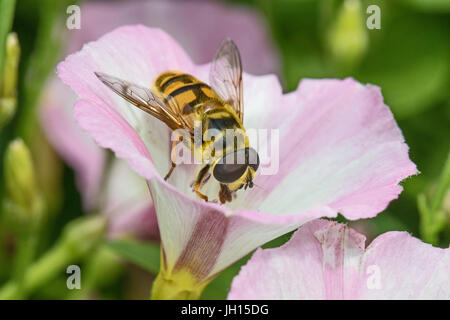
(226, 75)
(145, 99)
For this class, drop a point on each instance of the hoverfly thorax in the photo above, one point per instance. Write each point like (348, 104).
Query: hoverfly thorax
(181, 100)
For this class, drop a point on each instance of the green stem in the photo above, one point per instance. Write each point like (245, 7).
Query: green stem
(53, 262)
(79, 238)
(444, 185)
(327, 11)
(26, 249)
(432, 216)
(41, 63)
(102, 267)
(4, 263)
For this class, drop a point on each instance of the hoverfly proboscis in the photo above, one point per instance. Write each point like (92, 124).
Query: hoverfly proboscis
(182, 101)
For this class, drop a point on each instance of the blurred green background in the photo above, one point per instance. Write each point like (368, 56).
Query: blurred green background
(408, 58)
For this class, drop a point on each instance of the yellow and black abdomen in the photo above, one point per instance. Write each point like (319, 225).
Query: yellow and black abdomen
(186, 93)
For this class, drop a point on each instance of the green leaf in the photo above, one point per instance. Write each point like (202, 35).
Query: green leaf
(145, 255)
(6, 18)
(220, 286)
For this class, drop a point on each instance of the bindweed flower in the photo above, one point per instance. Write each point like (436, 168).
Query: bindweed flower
(339, 150)
(328, 260)
(113, 188)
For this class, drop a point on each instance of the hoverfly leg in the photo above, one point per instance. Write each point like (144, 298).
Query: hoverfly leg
(200, 181)
(224, 193)
(170, 171)
(206, 179)
(199, 194)
(229, 198)
(173, 157)
(221, 197)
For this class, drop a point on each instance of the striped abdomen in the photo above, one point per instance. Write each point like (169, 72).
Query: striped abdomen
(186, 93)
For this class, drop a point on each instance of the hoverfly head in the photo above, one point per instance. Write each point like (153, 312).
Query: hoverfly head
(237, 169)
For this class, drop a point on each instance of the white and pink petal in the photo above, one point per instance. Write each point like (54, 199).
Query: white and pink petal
(340, 147)
(328, 260)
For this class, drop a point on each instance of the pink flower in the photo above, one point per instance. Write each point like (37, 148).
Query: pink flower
(127, 200)
(328, 260)
(340, 151)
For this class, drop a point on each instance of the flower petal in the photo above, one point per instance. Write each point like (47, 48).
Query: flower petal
(142, 223)
(340, 147)
(327, 260)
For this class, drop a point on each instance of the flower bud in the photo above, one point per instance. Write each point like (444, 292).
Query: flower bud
(347, 38)
(8, 89)
(20, 183)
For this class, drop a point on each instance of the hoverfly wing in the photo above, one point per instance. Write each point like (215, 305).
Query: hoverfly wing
(226, 75)
(143, 98)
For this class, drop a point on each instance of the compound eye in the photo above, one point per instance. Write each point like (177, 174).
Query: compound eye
(233, 165)
(228, 173)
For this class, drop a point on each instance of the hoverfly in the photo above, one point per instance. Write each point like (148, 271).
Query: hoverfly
(182, 101)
